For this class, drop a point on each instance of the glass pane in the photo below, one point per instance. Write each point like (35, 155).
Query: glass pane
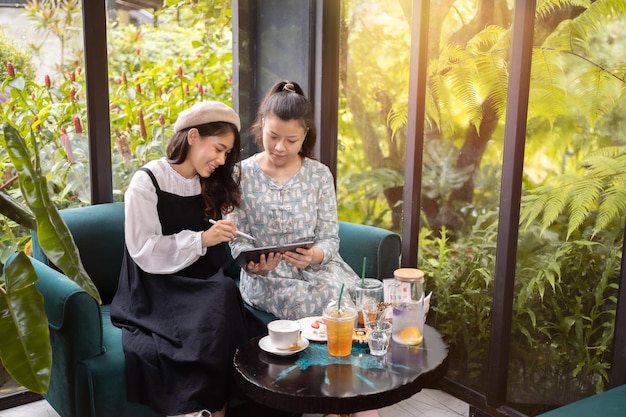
(572, 228)
(160, 62)
(43, 98)
(462, 152)
(283, 30)
(461, 174)
(373, 86)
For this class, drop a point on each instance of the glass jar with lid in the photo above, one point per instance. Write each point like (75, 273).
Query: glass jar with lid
(408, 306)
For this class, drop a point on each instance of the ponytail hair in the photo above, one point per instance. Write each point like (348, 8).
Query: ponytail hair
(286, 100)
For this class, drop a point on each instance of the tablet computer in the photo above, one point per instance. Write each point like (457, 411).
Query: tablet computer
(255, 253)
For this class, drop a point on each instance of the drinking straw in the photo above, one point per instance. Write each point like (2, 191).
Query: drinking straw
(339, 301)
(363, 272)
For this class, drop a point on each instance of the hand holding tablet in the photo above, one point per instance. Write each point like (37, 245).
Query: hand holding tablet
(255, 253)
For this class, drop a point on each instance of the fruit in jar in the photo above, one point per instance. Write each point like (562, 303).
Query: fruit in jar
(411, 334)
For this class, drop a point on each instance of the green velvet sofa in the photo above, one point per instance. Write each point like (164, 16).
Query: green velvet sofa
(88, 361)
(610, 403)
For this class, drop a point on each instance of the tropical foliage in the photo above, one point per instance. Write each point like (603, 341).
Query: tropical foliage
(573, 208)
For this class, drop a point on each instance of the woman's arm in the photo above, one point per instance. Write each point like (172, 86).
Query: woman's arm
(327, 227)
(149, 248)
(240, 219)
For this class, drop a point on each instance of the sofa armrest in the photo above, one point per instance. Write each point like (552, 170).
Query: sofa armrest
(381, 247)
(70, 311)
(75, 332)
(98, 232)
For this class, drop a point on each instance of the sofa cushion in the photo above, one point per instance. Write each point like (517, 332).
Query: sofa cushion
(611, 403)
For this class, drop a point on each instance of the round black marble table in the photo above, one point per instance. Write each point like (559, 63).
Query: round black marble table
(312, 381)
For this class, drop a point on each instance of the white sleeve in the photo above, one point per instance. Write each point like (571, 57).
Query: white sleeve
(153, 252)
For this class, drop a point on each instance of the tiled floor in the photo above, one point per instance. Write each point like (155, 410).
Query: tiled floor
(430, 403)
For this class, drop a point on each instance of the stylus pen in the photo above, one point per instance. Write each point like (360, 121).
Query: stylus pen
(242, 234)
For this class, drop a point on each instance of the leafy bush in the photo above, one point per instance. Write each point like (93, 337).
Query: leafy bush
(10, 52)
(563, 313)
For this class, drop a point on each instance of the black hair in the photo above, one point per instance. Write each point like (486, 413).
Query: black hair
(220, 191)
(286, 100)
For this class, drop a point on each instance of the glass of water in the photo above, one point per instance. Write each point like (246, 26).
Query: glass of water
(379, 335)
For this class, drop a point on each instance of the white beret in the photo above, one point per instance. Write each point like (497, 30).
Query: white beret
(206, 112)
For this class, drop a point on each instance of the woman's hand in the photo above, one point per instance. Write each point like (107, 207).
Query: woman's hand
(265, 265)
(222, 231)
(303, 257)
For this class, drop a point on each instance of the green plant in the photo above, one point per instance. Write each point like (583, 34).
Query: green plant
(460, 275)
(602, 191)
(575, 70)
(25, 348)
(10, 52)
(564, 306)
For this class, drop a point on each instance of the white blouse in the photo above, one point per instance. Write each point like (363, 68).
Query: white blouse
(149, 248)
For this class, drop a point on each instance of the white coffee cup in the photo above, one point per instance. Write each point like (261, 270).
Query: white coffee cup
(284, 333)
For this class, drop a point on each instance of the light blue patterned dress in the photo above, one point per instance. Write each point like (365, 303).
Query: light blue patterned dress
(303, 208)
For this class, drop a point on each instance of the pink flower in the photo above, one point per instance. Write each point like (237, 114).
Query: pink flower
(11, 70)
(121, 144)
(46, 80)
(142, 125)
(65, 142)
(78, 128)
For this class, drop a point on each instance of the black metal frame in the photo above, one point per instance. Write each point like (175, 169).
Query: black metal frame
(97, 86)
(510, 197)
(415, 135)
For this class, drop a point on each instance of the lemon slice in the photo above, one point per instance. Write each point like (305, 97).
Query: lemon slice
(411, 335)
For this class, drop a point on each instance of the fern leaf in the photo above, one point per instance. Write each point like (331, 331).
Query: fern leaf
(533, 204)
(585, 196)
(613, 206)
(547, 7)
(555, 205)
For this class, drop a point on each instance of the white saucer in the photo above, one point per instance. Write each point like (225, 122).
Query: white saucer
(266, 344)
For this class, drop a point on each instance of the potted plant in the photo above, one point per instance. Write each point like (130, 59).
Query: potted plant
(24, 338)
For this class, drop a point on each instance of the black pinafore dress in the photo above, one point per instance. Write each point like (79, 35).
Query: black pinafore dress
(180, 331)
